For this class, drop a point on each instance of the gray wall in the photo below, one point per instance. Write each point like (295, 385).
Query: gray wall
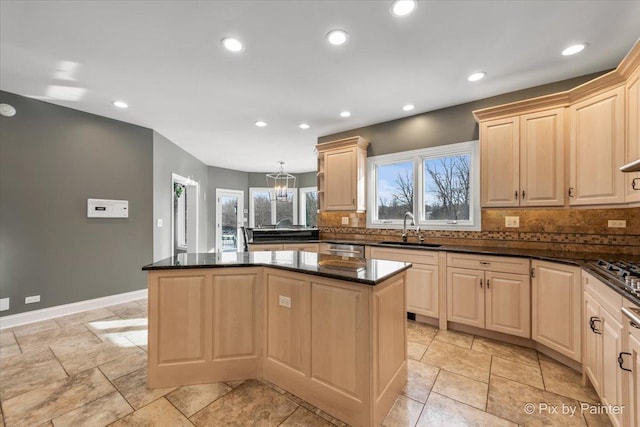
(227, 179)
(445, 126)
(168, 158)
(52, 159)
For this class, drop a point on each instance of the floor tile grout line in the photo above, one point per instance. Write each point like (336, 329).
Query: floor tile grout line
(486, 400)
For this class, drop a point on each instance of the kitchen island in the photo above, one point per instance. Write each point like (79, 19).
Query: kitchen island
(328, 329)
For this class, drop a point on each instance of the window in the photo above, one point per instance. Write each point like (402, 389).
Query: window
(439, 185)
(263, 211)
(309, 206)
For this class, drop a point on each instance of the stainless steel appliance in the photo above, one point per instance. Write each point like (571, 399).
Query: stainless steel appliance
(625, 275)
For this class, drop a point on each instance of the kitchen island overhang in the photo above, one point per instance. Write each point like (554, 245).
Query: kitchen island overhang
(328, 329)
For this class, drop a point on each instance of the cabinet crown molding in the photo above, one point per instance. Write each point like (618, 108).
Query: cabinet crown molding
(344, 142)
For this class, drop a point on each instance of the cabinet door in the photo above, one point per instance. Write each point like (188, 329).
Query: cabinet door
(633, 135)
(508, 305)
(592, 358)
(253, 247)
(597, 149)
(611, 390)
(556, 301)
(542, 158)
(633, 397)
(422, 290)
(340, 179)
(307, 247)
(499, 162)
(465, 296)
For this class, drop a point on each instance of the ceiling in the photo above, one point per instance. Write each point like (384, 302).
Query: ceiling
(164, 58)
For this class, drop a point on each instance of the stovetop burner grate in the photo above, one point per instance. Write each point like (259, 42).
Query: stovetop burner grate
(623, 274)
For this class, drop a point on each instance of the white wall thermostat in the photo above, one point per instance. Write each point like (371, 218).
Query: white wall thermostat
(103, 208)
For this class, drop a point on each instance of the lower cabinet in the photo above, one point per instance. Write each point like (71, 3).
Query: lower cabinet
(604, 362)
(422, 277)
(556, 300)
(494, 295)
(307, 247)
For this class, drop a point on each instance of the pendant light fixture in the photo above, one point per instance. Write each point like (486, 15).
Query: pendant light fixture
(279, 184)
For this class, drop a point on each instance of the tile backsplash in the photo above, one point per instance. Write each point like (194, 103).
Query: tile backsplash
(580, 230)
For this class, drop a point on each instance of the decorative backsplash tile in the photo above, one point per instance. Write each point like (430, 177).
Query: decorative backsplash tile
(577, 230)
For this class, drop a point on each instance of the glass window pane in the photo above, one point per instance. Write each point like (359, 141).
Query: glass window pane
(311, 208)
(446, 188)
(394, 190)
(261, 208)
(284, 211)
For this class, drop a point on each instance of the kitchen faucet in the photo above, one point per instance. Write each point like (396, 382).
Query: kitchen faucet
(404, 225)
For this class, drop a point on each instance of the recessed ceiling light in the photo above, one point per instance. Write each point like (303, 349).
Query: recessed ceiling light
(232, 45)
(261, 124)
(408, 107)
(337, 37)
(402, 8)
(120, 104)
(573, 49)
(345, 114)
(304, 126)
(476, 76)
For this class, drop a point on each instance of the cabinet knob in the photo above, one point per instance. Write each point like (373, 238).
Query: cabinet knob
(523, 194)
(570, 191)
(515, 194)
(480, 282)
(633, 183)
(592, 324)
(487, 283)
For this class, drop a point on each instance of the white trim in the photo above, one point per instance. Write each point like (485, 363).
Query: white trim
(417, 157)
(239, 217)
(186, 181)
(72, 308)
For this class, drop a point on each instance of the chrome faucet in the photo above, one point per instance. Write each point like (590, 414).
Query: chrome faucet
(404, 225)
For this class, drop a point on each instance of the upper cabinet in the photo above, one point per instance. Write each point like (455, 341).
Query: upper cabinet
(597, 149)
(522, 160)
(341, 174)
(632, 96)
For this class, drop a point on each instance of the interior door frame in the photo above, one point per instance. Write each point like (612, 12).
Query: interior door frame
(220, 192)
(187, 182)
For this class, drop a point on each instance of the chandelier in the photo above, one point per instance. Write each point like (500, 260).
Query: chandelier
(279, 184)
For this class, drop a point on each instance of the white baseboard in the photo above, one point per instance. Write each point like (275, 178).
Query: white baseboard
(63, 310)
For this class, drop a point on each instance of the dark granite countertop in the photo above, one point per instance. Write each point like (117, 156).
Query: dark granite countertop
(364, 271)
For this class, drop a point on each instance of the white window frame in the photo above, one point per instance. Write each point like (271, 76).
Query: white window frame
(253, 190)
(417, 157)
(303, 203)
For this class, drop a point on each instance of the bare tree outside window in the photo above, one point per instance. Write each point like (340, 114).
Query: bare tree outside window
(447, 188)
(311, 208)
(262, 209)
(395, 190)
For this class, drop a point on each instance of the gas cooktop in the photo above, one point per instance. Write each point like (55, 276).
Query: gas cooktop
(623, 274)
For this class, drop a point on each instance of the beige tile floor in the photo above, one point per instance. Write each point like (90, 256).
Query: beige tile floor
(88, 369)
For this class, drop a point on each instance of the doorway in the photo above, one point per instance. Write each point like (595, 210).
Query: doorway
(229, 219)
(184, 215)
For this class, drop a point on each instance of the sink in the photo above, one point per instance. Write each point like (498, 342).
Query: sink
(422, 245)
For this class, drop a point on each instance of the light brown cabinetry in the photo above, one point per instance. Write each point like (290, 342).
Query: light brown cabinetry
(632, 400)
(556, 299)
(522, 160)
(632, 152)
(597, 149)
(489, 292)
(341, 174)
(422, 277)
(603, 343)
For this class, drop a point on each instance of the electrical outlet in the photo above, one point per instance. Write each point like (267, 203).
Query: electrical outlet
(512, 221)
(159, 222)
(4, 304)
(345, 220)
(284, 301)
(32, 299)
(617, 223)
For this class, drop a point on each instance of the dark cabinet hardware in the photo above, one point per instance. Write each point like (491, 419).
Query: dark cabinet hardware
(592, 324)
(480, 282)
(633, 183)
(621, 361)
(515, 194)
(570, 191)
(523, 194)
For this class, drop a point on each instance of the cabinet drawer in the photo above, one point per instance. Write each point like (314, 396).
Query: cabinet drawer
(607, 297)
(489, 263)
(405, 255)
(307, 247)
(253, 247)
